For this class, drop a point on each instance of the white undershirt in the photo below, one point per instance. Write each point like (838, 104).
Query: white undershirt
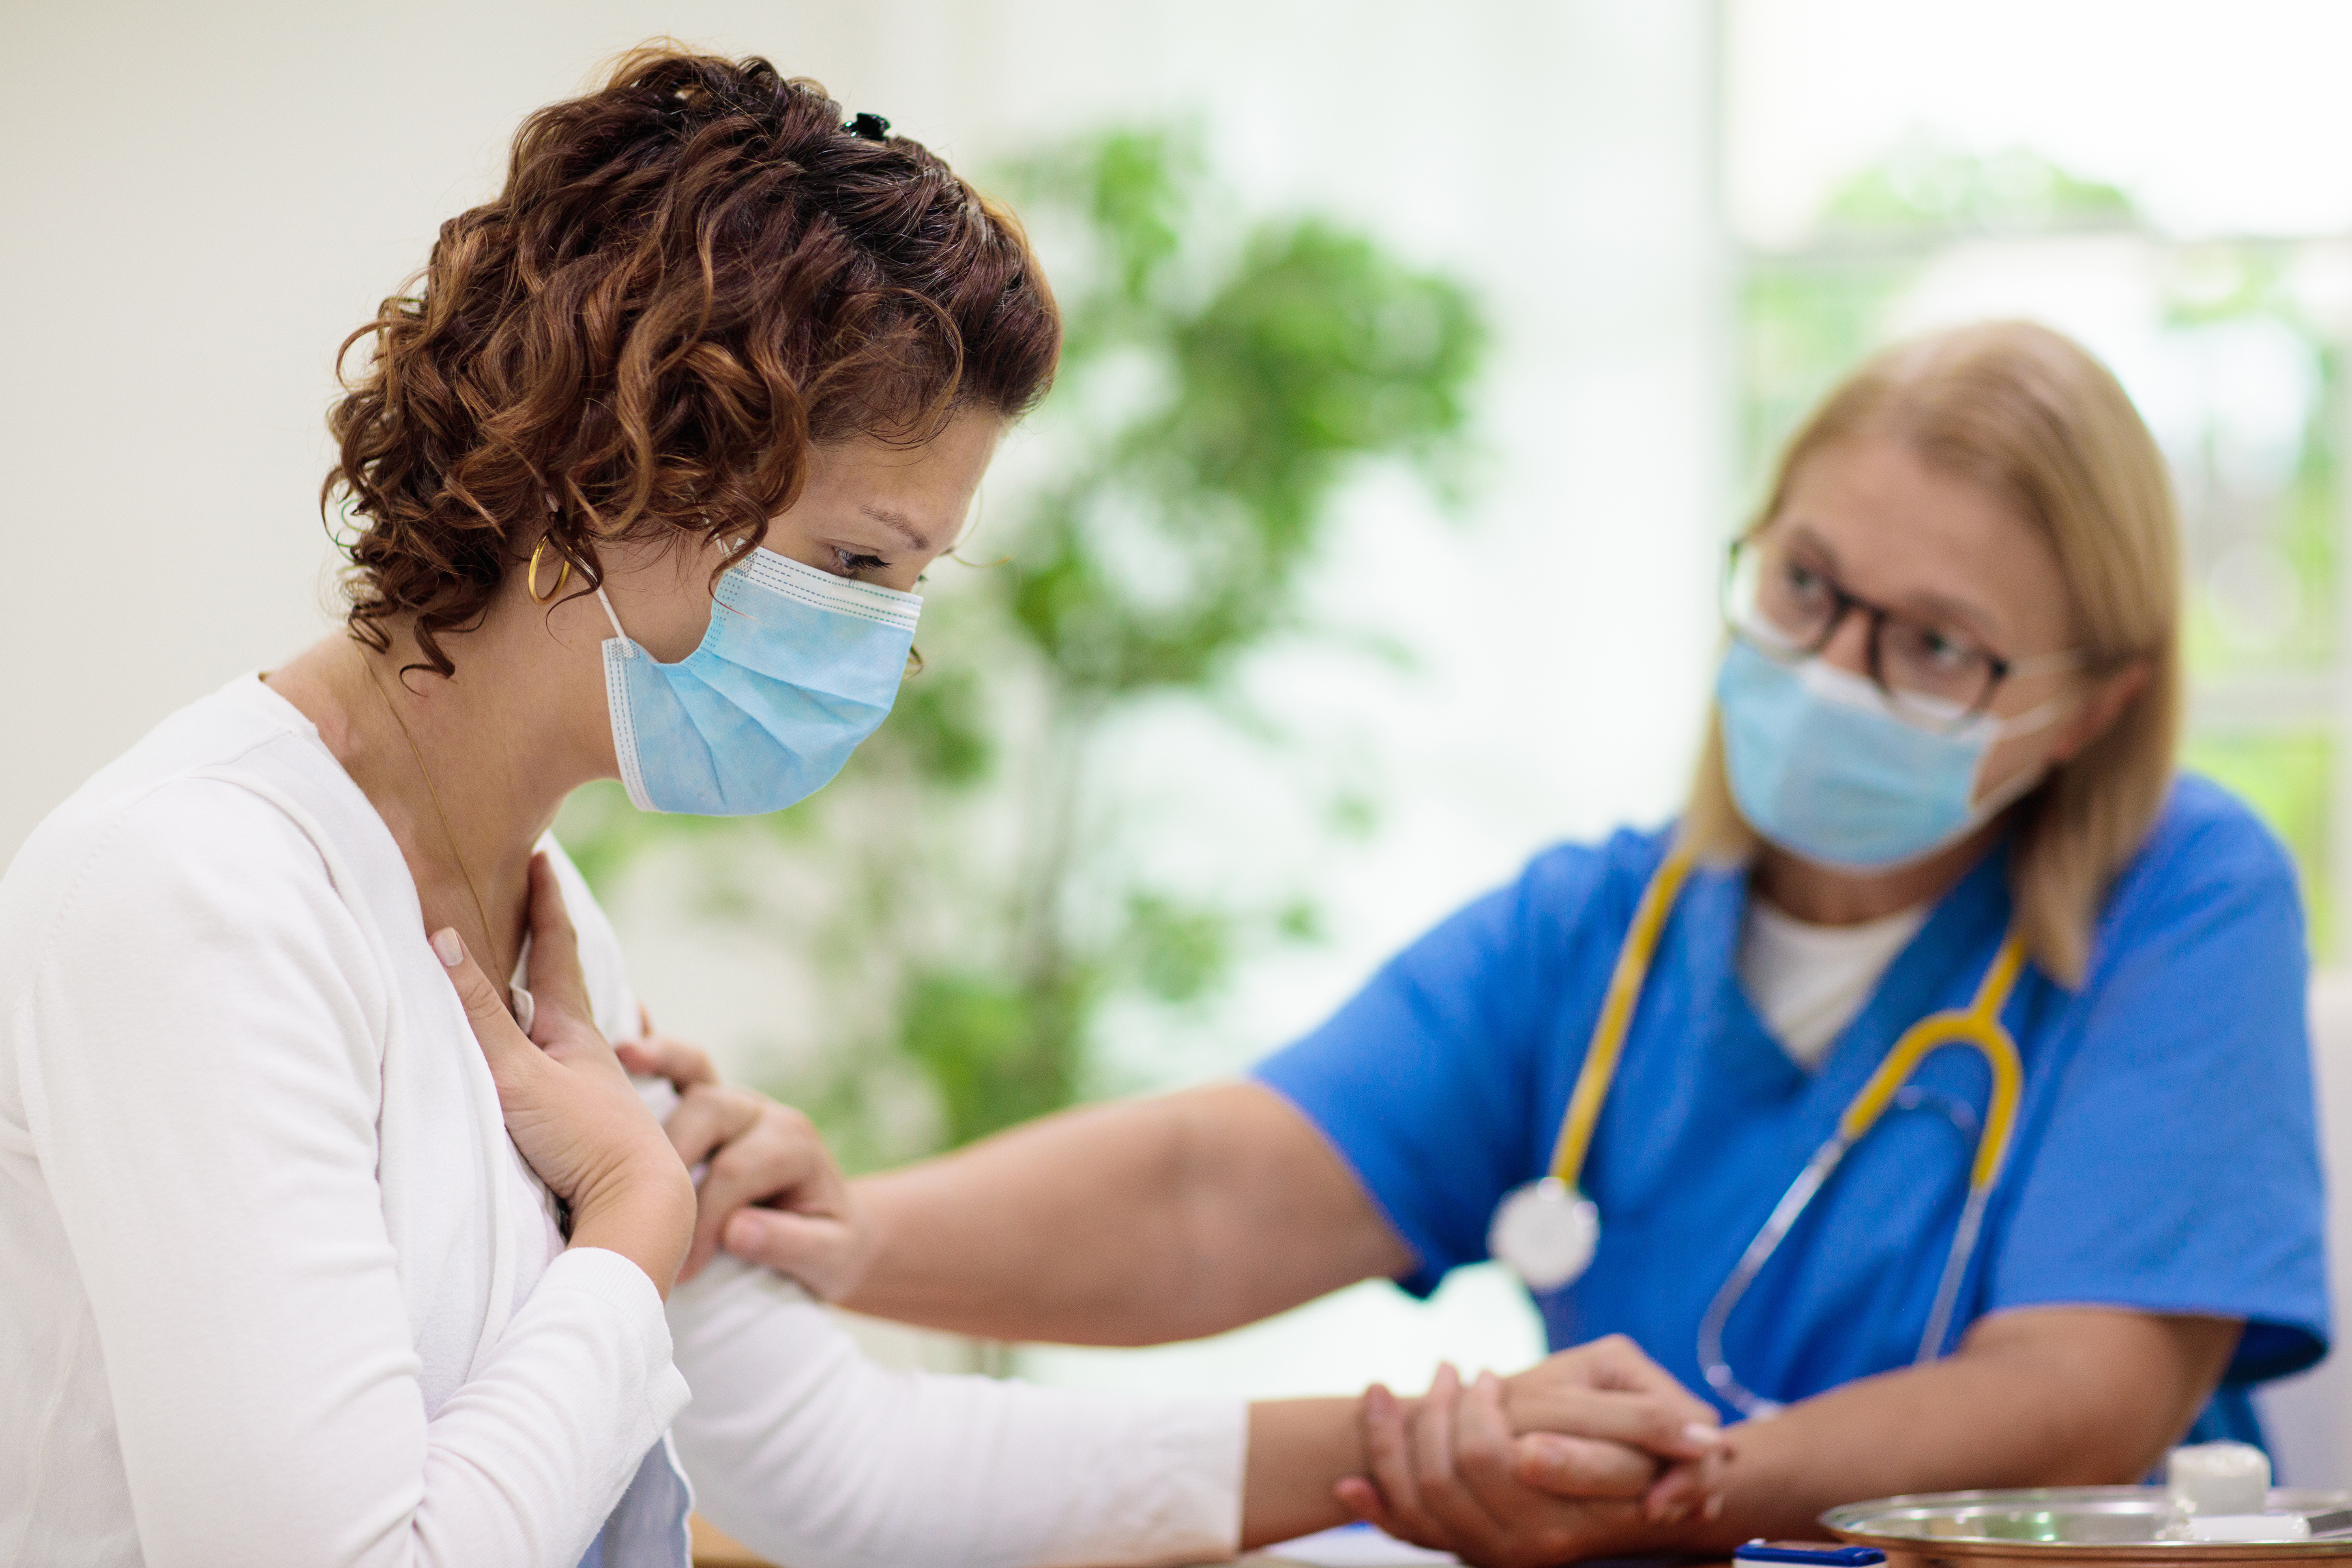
(1807, 980)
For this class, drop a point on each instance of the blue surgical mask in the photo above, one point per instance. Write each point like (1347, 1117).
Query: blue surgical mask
(798, 667)
(1823, 767)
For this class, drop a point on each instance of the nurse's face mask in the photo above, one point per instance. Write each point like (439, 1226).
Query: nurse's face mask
(1860, 773)
(798, 667)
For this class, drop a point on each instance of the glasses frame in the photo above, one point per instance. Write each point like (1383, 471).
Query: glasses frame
(1843, 606)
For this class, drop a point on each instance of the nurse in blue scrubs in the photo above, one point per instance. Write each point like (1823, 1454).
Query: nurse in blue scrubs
(2077, 1219)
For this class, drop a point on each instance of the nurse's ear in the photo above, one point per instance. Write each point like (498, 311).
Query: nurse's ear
(2103, 704)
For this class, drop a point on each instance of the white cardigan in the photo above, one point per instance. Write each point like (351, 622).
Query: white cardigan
(276, 1287)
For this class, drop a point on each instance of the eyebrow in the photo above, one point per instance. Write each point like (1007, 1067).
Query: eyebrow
(897, 523)
(1926, 605)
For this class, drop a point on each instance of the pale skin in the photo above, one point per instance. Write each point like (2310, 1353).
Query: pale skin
(467, 773)
(1208, 1209)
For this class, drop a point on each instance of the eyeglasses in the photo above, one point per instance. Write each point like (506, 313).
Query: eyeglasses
(1936, 676)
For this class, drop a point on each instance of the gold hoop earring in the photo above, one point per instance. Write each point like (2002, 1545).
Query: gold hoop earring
(531, 576)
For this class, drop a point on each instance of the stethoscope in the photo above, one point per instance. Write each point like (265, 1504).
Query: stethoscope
(1547, 1230)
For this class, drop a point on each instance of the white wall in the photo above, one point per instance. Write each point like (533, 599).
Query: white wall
(201, 200)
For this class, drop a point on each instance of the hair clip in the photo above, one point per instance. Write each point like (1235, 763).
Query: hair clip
(869, 127)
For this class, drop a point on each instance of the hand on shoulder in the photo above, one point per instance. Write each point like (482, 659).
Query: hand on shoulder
(771, 1192)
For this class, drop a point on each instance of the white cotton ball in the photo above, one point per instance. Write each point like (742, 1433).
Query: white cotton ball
(2218, 1479)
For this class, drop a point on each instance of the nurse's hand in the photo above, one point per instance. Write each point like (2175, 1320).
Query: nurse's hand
(1580, 1410)
(568, 1106)
(774, 1194)
(1444, 1478)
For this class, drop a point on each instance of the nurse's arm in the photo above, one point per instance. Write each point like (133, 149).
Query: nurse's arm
(1128, 1224)
(2037, 1396)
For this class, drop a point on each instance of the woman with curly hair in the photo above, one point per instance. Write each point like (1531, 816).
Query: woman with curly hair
(644, 478)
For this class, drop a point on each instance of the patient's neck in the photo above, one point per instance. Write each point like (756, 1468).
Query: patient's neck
(467, 770)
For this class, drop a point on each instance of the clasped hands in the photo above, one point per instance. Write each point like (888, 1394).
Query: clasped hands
(1595, 1450)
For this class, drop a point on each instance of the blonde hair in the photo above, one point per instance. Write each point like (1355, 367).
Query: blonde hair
(2028, 415)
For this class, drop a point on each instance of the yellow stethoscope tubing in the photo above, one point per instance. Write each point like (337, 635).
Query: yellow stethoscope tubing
(1977, 1026)
(1616, 1020)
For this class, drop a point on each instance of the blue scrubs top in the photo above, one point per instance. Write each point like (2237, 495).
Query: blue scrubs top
(2166, 1158)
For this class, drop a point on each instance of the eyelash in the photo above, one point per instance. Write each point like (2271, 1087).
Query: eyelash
(848, 564)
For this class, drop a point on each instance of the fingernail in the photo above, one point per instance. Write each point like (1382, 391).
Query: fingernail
(1715, 1506)
(1702, 1436)
(448, 948)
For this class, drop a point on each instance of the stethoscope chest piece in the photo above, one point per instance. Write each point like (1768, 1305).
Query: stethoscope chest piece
(1545, 1231)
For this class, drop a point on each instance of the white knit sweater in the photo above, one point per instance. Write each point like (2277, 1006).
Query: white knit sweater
(276, 1287)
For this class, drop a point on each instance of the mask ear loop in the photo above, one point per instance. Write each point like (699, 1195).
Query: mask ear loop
(628, 648)
(2034, 720)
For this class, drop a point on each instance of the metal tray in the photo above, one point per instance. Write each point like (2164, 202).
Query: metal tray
(2116, 1526)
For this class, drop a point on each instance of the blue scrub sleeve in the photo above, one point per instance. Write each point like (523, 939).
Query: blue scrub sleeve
(1426, 1081)
(2179, 1168)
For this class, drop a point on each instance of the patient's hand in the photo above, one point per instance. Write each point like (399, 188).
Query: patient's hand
(569, 1105)
(1588, 1453)
(773, 1195)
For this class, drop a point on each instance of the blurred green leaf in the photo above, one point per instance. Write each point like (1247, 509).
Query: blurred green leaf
(1177, 951)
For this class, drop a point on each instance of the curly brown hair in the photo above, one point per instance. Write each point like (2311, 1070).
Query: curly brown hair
(693, 274)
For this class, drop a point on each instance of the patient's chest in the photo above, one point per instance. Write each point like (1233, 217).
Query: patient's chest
(472, 1227)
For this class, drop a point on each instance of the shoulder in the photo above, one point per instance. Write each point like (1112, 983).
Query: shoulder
(1572, 892)
(180, 943)
(198, 858)
(1564, 881)
(204, 826)
(2208, 858)
(2206, 831)
(1520, 942)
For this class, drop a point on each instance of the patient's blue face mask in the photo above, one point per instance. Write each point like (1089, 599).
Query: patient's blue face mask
(1822, 766)
(798, 667)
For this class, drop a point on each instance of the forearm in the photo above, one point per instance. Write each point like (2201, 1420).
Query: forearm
(1298, 1450)
(807, 1452)
(1130, 1224)
(2059, 1397)
(998, 1239)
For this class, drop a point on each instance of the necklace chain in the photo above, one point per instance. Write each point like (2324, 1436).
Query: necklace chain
(447, 837)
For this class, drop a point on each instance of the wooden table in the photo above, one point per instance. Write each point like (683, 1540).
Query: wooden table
(714, 1550)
